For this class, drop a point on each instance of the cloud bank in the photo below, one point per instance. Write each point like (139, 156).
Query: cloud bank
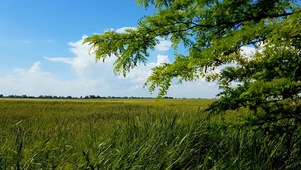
(96, 78)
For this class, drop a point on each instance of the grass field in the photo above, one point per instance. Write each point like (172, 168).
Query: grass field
(129, 134)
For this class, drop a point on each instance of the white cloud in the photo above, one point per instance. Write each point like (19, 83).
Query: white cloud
(61, 59)
(162, 59)
(30, 81)
(34, 69)
(34, 82)
(93, 77)
(247, 51)
(164, 45)
(123, 29)
(83, 63)
(142, 72)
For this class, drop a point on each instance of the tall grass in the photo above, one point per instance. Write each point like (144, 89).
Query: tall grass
(132, 134)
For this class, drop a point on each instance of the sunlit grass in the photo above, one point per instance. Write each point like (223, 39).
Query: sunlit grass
(127, 134)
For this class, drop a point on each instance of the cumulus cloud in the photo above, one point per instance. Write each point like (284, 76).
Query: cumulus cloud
(164, 45)
(247, 51)
(83, 63)
(140, 74)
(123, 29)
(95, 78)
(162, 59)
(34, 69)
(32, 81)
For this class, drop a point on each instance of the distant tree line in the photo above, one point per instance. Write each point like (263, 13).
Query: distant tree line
(81, 97)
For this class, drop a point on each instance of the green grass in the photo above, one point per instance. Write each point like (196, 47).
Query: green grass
(130, 134)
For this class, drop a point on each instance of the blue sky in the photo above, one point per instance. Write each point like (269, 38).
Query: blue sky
(41, 50)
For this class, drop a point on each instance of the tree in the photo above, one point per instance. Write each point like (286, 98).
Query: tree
(267, 83)
(213, 32)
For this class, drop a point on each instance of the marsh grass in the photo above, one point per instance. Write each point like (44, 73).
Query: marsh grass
(133, 134)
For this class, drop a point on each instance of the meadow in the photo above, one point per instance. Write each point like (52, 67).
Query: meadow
(132, 134)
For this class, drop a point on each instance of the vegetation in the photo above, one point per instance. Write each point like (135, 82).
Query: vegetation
(81, 97)
(214, 32)
(133, 134)
(255, 123)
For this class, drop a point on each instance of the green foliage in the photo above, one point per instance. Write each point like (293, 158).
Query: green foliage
(269, 80)
(213, 32)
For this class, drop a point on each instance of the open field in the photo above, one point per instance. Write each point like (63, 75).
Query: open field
(127, 134)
